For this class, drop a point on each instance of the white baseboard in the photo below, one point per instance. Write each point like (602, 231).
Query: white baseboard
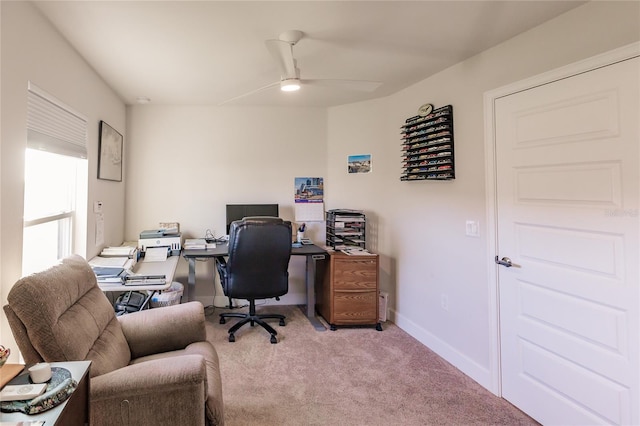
(287, 299)
(450, 354)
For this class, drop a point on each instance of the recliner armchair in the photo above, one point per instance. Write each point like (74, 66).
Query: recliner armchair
(259, 253)
(151, 367)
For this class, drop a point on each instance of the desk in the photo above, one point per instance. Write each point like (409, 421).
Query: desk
(74, 411)
(311, 252)
(166, 268)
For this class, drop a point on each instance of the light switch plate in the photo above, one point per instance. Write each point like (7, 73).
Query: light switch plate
(97, 206)
(472, 228)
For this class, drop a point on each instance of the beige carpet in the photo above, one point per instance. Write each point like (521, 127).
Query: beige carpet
(352, 376)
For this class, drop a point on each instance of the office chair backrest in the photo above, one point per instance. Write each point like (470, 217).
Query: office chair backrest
(259, 252)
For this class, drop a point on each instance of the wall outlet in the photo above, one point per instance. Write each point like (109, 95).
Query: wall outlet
(97, 206)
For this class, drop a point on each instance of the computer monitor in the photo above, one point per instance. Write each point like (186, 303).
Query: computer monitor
(240, 211)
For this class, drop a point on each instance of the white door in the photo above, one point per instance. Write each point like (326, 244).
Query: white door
(567, 157)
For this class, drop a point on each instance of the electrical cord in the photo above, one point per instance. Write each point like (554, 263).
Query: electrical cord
(210, 237)
(212, 308)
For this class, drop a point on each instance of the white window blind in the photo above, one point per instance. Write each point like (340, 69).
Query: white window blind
(52, 126)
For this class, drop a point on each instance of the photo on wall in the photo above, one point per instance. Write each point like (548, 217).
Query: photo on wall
(359, 163)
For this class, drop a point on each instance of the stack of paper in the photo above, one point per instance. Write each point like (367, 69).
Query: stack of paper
(120, 262)
(195, 243)
(356, 251)
(156, 254)
(170, 228)
(120, 251)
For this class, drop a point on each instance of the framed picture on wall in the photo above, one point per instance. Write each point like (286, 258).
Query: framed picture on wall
(110, 153)
(359, 163)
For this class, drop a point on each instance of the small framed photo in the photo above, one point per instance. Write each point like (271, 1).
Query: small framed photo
(110, 153)
(359, 163)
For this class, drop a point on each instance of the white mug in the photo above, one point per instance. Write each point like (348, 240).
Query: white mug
(40, 373)
(300, 236)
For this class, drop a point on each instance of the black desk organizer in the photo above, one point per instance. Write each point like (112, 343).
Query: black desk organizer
(427, 146)
(345, 229)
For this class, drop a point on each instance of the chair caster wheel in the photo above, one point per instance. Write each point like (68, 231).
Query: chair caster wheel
(282, 323)
(273, 339)
(333, 327)
(222, 320)
(379, 327)
(232, 338)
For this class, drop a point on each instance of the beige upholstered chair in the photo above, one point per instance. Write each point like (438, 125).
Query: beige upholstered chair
(153, 367)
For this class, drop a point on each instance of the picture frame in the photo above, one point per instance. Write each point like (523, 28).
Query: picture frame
(109, 153)
(359, 163)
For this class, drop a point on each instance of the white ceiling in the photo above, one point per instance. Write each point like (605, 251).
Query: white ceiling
(207, 52)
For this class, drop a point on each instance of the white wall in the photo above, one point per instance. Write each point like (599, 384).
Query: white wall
(186, 163)
(33, 51)
(420, 229)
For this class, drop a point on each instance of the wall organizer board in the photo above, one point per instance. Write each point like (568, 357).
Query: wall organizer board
(427, 145)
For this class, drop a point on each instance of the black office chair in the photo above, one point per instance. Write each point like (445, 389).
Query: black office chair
(259, 252)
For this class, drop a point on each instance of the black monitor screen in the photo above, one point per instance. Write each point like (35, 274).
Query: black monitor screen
(240, 211)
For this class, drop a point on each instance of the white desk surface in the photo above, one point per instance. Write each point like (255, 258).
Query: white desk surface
(166, 268)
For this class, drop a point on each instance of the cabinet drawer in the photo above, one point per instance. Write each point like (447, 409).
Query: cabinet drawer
(355, 307)
(355, 274)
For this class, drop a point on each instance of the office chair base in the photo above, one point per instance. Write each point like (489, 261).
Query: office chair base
(253, 319)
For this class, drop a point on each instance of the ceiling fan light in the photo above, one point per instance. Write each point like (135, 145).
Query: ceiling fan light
(290, 85)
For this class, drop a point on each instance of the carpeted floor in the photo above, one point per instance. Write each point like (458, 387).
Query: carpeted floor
(352, 376)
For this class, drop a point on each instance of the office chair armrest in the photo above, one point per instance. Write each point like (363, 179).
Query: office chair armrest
(221, 266)
(163, 329)
(161, 391)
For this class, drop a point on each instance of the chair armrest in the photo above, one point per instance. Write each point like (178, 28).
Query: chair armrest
(159, 391)
(148, 377)
(165, 329)
(221, 266)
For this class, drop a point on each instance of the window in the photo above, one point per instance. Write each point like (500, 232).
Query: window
(56, 181)
(51, 189)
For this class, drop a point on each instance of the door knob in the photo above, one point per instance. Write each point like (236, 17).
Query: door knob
(505, 261)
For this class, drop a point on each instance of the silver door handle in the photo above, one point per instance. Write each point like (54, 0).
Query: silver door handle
(505, 261)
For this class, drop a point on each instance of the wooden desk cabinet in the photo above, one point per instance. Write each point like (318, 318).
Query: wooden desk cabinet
(349, 293)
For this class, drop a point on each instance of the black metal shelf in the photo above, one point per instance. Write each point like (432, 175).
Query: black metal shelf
(346, 228)
(427, 146)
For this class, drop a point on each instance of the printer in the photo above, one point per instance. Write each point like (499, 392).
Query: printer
(161, 238)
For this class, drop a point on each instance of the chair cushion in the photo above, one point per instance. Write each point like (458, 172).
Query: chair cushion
(68, 318)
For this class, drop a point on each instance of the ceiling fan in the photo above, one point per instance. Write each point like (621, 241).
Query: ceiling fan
(282, 51)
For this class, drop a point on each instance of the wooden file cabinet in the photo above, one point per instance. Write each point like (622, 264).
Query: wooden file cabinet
(348, 294)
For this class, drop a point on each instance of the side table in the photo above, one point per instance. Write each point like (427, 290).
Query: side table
(73, 412)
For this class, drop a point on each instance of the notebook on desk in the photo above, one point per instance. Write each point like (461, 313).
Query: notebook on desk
(109, 275)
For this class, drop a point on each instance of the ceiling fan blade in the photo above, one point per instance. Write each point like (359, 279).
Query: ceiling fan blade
(360, 85)
(282, 52)
(249, 93)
